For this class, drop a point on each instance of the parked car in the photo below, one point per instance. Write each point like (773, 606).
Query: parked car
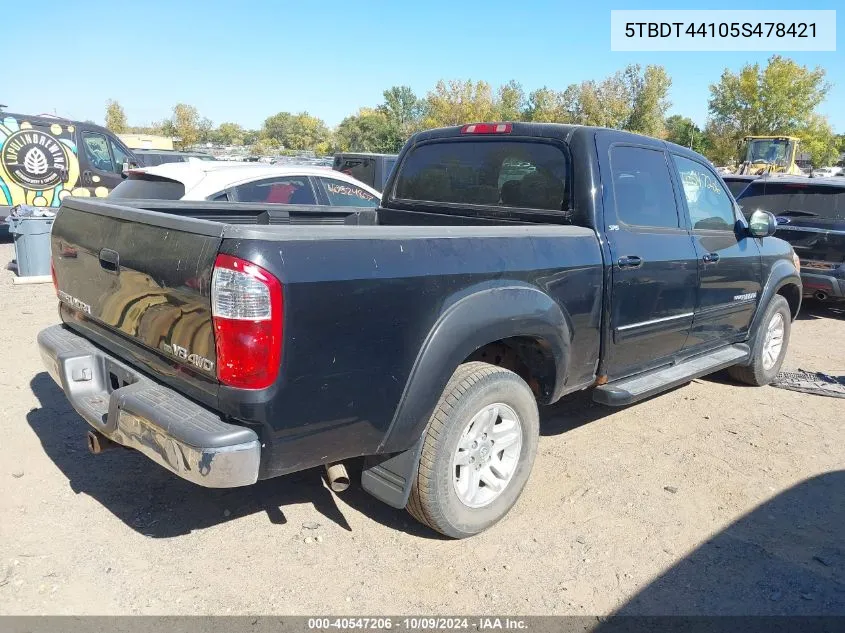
(422, 335)
(246, 182)
(44, 158)
(826, 172)
(371, 169)
(810, 216)
(738, 182)
(153, 157)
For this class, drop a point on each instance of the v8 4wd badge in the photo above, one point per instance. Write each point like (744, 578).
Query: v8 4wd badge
(184, 354)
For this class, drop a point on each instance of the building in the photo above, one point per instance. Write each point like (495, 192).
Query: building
(147, 141)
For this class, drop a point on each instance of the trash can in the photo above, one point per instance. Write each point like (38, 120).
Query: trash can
(32, 243)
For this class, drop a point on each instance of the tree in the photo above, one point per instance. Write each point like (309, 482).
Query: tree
(115, 117)
(402, 108)
(650, 101)
(278, 127)
(722, 143)
(545, 105)
(229, 134)
(458, 102)
(295, 131)
(184, 125)
(683, 131)
(510, 102)
(369, 131)
(819, 141)
(777, 99)
(265, 146)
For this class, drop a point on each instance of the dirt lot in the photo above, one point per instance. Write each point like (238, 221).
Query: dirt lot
(713, 498)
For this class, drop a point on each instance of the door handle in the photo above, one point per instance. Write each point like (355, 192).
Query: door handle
(110, 260)
(710, 258)
(630, 261)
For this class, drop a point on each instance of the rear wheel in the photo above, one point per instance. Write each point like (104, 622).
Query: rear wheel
(769, 346)
(478, 451)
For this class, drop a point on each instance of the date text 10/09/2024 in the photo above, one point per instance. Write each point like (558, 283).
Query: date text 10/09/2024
(418, 624)
(720, 29)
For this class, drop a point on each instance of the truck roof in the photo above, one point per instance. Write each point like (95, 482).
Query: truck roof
(829, 181)
(561, 131)
(371, 154)
(52, 118)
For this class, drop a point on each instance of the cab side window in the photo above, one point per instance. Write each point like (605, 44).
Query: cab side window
(285, 190)
(343, 194)
(120, 157)
(710, 206)
(97, 151)
(642, 187)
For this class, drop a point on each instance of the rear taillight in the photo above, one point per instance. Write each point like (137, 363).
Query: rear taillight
(487, 128)
(246, 305)
(53, 275)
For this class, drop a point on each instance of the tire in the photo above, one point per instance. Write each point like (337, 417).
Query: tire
(762, 369)
(481, 395)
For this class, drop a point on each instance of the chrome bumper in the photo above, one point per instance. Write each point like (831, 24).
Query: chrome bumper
(132, 410)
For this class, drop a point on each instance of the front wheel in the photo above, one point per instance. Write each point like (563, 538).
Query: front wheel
(478, 451)
(768, 347)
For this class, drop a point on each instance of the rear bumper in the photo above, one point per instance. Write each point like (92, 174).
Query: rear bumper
(132, 410)
(831, 283)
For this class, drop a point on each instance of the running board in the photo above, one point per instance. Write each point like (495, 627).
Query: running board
(642, 386)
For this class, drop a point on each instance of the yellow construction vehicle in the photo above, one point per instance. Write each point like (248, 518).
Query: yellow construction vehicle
(770, 155)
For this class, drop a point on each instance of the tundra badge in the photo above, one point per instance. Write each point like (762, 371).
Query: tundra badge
(74, 302)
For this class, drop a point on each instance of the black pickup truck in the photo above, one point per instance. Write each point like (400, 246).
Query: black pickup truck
(509, 265)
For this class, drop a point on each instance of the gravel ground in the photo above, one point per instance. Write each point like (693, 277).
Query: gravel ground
(714, 498)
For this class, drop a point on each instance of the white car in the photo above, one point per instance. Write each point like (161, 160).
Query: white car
(246, 182)
(827, 172)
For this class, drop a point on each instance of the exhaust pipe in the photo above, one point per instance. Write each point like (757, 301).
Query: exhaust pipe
(97, 442)
(337, 476)
(820, 295)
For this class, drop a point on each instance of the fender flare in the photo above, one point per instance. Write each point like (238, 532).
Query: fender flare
(782, 274)
(480, 315)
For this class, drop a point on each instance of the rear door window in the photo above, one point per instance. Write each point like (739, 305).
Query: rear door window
(283, 190)
(528, 175)
(344, 194)
(642, 187)
(795, 200)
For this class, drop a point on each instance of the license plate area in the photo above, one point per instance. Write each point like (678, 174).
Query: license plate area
(118, 377)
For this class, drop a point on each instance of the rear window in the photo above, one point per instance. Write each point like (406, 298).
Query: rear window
(149, 188)
(359, 167)
(736, 187)
(826, 202)
(486, 173)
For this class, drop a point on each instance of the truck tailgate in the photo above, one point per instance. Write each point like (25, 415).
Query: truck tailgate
(138, 283)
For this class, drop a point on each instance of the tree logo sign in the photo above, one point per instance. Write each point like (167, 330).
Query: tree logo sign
(34, 160)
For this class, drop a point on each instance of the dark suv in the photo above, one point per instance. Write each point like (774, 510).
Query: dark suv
(811, 216)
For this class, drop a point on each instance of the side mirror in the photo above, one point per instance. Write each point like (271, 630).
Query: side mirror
(762, 224)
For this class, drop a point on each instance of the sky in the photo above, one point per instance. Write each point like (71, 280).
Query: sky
(244, 61)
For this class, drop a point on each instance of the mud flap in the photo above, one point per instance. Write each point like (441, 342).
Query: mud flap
(389, 477)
